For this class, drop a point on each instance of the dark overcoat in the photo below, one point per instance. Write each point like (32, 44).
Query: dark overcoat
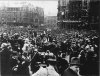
(69, 72)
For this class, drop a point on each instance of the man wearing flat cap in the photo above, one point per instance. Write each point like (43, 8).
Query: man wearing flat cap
(73, 69)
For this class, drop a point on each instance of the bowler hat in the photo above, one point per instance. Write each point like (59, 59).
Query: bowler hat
(75, 61)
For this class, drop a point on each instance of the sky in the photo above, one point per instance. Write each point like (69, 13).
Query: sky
(49, 6)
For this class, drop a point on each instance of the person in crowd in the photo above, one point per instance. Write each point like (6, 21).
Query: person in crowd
(52, 67)
(91, 64)
(5, 53)
(49, 70)
(4, 38)
(82, 57)
(41, 72)
(62, 64)
(16, 43)
(73, 69)
(25, 49)
(35, 57)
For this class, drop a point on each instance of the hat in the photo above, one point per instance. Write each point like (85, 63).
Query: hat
(51, 60)
(42, 64)
(75, 61)
(52, 57)
(3, 45)
(26, 39)
(38, 63)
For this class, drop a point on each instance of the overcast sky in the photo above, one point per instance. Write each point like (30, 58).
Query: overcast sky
(49, 6)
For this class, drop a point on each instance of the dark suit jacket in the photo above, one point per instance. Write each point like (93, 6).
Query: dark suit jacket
(69, 72)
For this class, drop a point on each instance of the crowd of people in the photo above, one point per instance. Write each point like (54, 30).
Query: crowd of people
(68, 54)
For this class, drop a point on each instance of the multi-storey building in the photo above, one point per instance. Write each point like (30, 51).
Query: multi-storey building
(78, 14)
(51, 22)
(94, 14)
(25, 15)
(69, 13)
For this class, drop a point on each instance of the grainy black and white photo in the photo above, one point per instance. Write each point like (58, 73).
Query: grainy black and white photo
(49, 37)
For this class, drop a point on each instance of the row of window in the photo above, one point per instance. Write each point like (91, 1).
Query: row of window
(21, 20)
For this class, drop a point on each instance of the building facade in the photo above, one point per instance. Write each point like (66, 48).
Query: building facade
(51, 22)
(94, 14)
(78, 13)
(25, 15)
(69, 13)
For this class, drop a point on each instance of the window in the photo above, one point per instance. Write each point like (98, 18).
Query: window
(31, 20)
(36, 20)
